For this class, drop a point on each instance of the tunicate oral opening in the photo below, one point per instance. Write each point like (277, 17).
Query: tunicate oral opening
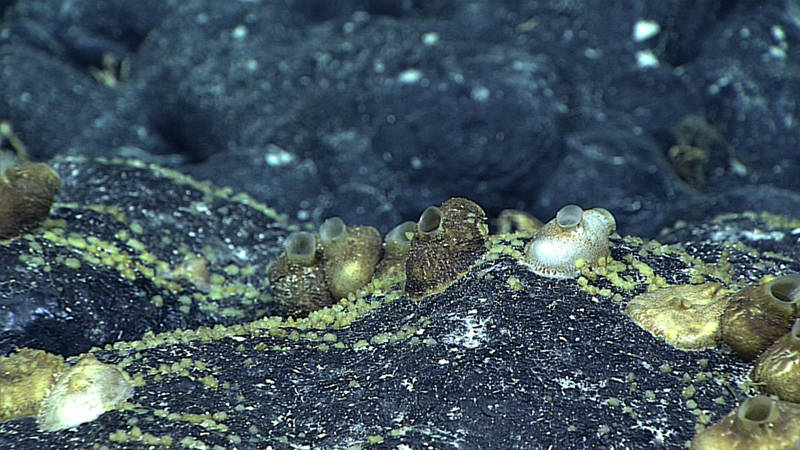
(786, 291)
(332, 229)
(398, 234)
(7, 160)
(795, 294)
(569, 216)
(300, 247)
(430, 221)
(757, 410)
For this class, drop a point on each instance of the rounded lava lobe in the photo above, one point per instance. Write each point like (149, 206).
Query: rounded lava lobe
(26, 195)
(758, 315)
(759, 422)
(777, 370)
(442, 252)
(685, 316)
(571, 236)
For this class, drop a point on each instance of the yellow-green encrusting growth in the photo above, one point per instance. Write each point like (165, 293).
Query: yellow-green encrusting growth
(218, 291)
(685, 316)
(25, 379)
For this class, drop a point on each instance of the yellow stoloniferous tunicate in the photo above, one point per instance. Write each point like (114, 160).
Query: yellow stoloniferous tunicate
(448, 241)
(573, 235)
(758, 423)
(82, 393)
(685, 316)
(25, 379)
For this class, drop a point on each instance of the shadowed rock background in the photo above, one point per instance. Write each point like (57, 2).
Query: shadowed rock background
(372, 111)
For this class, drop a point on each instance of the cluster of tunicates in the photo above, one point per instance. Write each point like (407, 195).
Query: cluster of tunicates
(761, 323)
(318, 269)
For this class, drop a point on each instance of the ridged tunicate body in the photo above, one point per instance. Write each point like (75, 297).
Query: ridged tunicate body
(448, 240)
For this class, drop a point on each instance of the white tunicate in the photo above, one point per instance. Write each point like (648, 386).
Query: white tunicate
(572, 239)
(83, 393)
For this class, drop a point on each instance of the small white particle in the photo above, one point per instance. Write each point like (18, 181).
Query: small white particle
(592, 53)
(277, 156)
(480, 94)
(645, 29)
(240, 32)
(430, 38)
(646, 58)
(778, 34)
(409, 76)
(777, 52)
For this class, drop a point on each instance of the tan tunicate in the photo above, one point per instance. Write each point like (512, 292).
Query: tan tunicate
(298, 280)
(395, 251)
(512, 220)
(350, 255)
(758, 315)
(758, 423)
(26, 195)
(777, 369)
(82, 393)
(447, 242)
